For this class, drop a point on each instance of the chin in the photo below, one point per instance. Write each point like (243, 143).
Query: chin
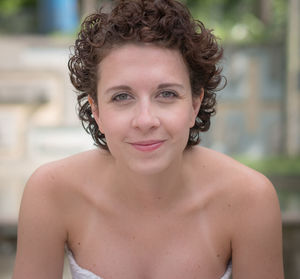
(152, 163)
(152, 166)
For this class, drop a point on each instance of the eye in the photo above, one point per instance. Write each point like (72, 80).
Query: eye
(121, 97)
(168, 94)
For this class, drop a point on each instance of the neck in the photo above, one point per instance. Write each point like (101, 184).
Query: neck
(150, 190)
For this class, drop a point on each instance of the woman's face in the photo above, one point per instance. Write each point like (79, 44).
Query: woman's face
(145, 106)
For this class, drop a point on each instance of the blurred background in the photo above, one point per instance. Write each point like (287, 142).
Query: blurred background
(258, 114)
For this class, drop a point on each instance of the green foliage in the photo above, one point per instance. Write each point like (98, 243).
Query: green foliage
(279, 165)
(234, 21)
(240, 21)
(18, 16)
(11, 7)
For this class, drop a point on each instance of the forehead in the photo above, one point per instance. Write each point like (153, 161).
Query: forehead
(144, 62)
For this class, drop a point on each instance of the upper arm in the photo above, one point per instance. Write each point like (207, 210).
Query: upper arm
(41, 231)
(257, 234)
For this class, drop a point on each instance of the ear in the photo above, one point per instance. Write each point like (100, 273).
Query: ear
(95, 112)
(197, 101)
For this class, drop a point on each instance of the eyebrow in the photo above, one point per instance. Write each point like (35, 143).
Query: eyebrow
(128, 88)
(118, 87)
(165, 85)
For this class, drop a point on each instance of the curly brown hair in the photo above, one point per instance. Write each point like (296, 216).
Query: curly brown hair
(166, 23)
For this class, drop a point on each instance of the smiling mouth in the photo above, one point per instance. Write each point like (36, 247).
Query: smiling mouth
(147, 145)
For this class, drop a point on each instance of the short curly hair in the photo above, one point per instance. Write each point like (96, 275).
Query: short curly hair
(166, 23)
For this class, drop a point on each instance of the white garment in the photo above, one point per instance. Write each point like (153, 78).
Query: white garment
(81, 273)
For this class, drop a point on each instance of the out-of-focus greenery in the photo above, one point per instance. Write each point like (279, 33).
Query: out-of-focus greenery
(18, 16)
(242, 21)
(10, 7)
(234, 21)
(279, 165)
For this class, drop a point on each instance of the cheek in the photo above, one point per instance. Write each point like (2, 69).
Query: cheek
(113, 123)
(176, 119)
(179, 119)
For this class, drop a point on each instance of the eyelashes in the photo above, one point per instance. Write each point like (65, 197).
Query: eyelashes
(121, 97)
(168, 94)
(165, 95)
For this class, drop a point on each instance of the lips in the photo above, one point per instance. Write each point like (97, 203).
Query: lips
(150, 145)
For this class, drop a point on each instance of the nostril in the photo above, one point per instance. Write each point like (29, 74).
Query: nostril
(145, 119)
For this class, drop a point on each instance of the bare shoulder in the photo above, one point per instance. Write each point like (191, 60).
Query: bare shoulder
(65, 173)
(248, 205)
(50, 198)
(237, 181)
(243, 192)
(50, 185)
(56, 188)
(72, 164)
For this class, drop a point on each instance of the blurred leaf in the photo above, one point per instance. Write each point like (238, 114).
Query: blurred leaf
(279, 165)
(8, 7)
(238, 20)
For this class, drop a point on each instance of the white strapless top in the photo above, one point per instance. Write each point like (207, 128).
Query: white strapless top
(81, 273)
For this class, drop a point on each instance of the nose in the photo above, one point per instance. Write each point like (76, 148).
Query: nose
(145, 117)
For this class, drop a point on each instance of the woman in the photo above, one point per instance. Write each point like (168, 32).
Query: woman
(149, 202)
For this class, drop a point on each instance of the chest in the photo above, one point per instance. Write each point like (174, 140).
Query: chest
(160, 246)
